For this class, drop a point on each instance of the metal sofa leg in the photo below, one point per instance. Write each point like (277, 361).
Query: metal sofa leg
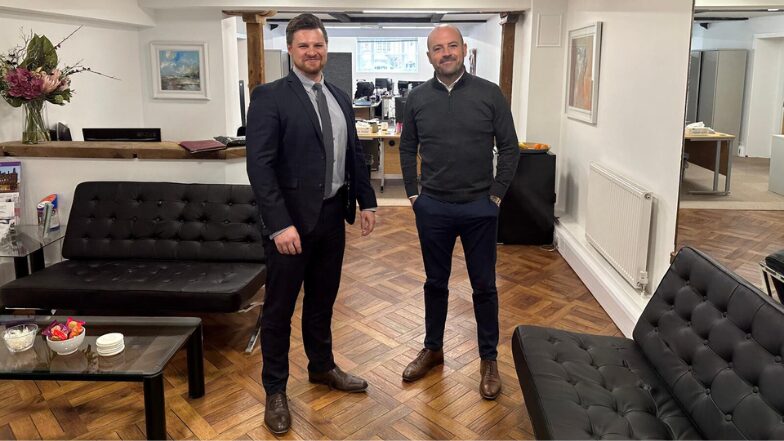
(255, 335)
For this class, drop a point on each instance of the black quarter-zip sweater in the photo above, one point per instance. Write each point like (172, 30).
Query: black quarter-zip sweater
(454, 134)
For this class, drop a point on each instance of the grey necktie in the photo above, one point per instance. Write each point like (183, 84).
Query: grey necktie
(326, 132)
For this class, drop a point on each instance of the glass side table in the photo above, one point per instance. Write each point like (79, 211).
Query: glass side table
(26, 245)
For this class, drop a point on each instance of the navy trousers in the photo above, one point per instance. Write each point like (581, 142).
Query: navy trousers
(318, 267)
(439, 225)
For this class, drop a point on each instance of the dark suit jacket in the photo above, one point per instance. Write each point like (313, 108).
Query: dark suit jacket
(286, 158)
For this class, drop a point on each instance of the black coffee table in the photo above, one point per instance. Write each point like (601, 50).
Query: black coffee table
(150, 343)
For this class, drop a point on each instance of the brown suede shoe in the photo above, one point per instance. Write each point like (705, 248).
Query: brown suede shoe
(276, 413)
(337, 379)
(424, 361)
(490, 384)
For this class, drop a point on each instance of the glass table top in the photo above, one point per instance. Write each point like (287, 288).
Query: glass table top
(28, 239)
(150, 342)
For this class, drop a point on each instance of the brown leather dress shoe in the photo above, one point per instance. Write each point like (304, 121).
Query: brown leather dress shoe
(276, 413)
(337, 379)
(490, 385)
(424, 361)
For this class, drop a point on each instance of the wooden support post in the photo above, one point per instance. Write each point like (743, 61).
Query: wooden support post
(508, 23)
(254, 24)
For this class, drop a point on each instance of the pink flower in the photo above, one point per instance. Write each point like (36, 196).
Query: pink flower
(50, 82)
(24, 84)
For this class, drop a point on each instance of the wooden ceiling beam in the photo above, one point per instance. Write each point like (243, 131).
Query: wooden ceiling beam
(508, 23)
(254, 29)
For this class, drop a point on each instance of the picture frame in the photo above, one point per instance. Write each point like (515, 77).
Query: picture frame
(582, 82)
(179, 70)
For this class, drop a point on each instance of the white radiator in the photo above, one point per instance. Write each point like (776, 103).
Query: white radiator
(619, 223)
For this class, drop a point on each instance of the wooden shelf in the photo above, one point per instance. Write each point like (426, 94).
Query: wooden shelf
(113, 150)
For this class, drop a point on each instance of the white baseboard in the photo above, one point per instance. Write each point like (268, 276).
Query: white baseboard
(622, 303)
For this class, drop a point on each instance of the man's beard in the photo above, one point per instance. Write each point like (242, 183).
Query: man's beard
(444, 71)
(308, 67)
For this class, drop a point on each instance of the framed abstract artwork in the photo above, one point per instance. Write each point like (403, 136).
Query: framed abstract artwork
(179, 70)
(582, 83)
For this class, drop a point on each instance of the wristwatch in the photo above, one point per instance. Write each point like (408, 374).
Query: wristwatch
(496, 200)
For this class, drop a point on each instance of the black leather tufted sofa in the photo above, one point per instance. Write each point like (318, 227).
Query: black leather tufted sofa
(152, 247)
(705, 362)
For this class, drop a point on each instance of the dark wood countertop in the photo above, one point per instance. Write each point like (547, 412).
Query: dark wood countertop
(113, 150)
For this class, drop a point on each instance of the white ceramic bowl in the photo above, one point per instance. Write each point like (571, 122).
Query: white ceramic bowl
(65, 347)
(20, 337)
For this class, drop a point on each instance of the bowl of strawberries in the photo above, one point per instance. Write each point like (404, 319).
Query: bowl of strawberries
(65, 338)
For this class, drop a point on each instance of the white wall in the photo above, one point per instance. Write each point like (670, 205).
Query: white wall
(192, 119)
(762, 109)
(521, 78)
(486, 39)
(122, 12)
(540, 99)
(735, 34)
(727, 35)
(96, 99)
(231, 76)
(639, 132)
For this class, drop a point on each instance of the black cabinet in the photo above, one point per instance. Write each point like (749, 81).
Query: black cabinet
(527, 211)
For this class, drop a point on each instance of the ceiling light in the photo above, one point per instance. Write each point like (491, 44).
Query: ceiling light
(392, 11)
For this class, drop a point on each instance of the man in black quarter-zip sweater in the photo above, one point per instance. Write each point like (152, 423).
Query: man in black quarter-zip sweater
(453, 121)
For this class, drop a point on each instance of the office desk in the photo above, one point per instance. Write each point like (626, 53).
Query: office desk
(389, 155)
(365, 112)
(712, 152)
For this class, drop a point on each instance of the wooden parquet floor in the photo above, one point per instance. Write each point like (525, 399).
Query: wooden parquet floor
(738, 239)
(378, 328)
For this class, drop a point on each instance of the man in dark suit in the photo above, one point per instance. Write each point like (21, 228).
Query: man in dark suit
(307, 170)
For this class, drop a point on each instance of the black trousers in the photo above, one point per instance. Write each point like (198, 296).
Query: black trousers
(476, 223)
(318, 267)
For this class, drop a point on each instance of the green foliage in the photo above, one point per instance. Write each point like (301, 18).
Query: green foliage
(41, 54)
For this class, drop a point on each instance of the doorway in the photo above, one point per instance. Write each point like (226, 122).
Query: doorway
(736, 87)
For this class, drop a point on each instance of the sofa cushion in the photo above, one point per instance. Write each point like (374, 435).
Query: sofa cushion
(717, 342)
(579, 386)
(164, 220)
(126, 286)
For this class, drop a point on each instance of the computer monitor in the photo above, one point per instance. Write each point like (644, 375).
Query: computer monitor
(402, 87)
(136, 135)
(364, 89)
(416, 83)
(384, 83)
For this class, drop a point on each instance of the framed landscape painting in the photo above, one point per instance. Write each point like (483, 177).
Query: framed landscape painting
(582, 84)
(179, 70)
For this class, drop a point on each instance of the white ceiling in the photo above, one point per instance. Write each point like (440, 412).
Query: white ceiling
(738, 13)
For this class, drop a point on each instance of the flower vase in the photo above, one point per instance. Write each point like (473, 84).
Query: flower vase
(35, 127)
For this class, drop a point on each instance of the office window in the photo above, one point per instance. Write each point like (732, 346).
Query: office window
(387, 55)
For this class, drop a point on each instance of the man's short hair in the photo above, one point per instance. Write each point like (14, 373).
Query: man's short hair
(304, 21)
